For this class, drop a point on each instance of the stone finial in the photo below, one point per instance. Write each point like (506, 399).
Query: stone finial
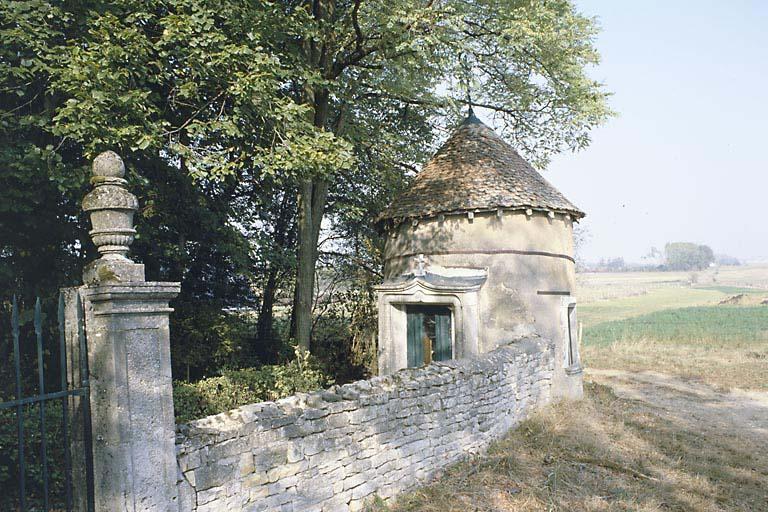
(111, 208)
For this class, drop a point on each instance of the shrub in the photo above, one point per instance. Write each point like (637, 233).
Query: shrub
(9, 456)
(344, 336)
(239, 387)
(206, 340)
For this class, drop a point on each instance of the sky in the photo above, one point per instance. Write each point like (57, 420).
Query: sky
(686, 159)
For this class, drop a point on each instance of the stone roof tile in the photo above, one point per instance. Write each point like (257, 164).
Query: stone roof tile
(476, 170)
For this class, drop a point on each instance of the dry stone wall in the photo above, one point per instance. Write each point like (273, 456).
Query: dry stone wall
(334, 450)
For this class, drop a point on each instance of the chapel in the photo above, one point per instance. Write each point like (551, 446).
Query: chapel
(479, 253)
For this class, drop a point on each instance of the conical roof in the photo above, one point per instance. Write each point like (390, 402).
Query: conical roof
(476, 170)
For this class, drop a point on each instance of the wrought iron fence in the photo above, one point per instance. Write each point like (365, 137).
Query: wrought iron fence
(45, 438)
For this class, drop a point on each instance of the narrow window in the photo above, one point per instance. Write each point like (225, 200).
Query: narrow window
(571, 355)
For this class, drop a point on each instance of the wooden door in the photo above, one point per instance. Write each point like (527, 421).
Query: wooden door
(429, 334)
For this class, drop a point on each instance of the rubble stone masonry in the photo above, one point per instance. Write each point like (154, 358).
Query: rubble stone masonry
(335, 450)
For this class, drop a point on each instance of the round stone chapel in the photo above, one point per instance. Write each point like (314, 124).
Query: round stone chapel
(478, 254)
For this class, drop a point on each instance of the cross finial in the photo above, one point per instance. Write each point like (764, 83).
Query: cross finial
(468, 84)
(420, 271)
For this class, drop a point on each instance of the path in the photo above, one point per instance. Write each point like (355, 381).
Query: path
(698, 406)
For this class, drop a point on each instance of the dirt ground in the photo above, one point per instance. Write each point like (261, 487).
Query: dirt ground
(738, 413)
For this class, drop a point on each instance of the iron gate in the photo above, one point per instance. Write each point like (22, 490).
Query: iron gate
(45, 438)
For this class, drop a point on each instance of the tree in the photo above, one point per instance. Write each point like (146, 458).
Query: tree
(314, 112)
(581, 237)
(687, 256)
(525, 61)
(79, 78)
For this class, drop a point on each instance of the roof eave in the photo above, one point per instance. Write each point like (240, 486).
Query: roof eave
(398, 219)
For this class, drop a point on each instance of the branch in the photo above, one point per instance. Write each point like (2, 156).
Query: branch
(415, 101)
(359, 53)
(356, 23)
(194, 115)
(357, 261)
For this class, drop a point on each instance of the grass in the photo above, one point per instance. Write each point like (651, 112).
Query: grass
(725, 346)
(693, 325)
(608, 286)
(607, 453)
(725, 365)
(656, 324)
(658, 299)
(602, 454)
(734, 290)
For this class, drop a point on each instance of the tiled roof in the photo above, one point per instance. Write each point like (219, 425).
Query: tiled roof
(476, 170)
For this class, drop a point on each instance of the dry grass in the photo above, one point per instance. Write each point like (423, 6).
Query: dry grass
(608, 286)
(725, 365)
(602, 454)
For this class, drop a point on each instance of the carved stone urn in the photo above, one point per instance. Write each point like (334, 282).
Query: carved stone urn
(111, 208)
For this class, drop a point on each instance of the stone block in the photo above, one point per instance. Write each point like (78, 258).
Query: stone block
(215, 473)
(268, 458)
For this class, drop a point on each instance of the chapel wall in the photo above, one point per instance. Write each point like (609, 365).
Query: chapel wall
(538, 259)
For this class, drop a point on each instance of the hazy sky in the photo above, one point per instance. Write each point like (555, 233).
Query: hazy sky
(687, 157)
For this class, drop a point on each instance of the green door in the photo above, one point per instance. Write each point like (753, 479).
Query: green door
(429, 334)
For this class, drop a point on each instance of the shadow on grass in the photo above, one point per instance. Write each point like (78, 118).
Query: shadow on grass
(604, 453)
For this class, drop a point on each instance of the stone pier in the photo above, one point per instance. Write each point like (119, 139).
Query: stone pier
(126, 327)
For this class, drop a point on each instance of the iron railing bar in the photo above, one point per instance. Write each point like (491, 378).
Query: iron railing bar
(85, 384)
(19, 407)
(65, 406)
(41, 385)
(39, 398)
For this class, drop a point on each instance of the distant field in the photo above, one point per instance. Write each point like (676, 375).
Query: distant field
(608, 286)
(703, 324)
(592, 313)
(726, 346)
(655, 322)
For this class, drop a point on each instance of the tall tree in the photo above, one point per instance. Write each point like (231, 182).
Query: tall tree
(337, 100)
(185, 92)
(524, 60)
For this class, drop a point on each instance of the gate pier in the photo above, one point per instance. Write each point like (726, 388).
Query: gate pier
(129, 361)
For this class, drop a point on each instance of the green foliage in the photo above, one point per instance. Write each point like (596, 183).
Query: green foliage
(687, 256)
(222, 109)
(712, 323)
(239, 387)
(207, 340)
(345, 329)
(9, 460)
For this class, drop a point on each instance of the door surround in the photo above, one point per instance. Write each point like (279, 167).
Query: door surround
(393, 297)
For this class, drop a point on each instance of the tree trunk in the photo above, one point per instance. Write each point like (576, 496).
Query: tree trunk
(312, 198)
(313, 193)
(265, 324)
